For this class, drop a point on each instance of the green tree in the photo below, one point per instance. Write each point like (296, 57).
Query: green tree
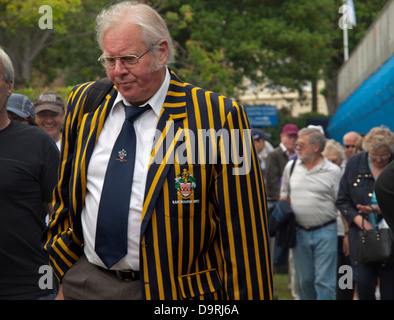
(299, 38)
(283, 44)
(74, 55)
(25, 29)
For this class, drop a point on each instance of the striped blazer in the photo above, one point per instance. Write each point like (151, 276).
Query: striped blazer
(204, 222)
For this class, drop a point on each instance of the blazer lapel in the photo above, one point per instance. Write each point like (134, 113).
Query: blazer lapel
(89, 131)
(171, 129)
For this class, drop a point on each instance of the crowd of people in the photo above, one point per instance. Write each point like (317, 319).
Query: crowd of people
(86, 192)
(330, 189)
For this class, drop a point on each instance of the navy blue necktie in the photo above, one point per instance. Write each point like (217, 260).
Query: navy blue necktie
(113, 213)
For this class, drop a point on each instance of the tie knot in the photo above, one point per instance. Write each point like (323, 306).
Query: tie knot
(132, 112)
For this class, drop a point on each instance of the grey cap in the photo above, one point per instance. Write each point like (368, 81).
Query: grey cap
(21, 105)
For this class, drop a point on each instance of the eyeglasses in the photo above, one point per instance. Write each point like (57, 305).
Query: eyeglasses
(300, 145)
(348, 146)
(382, 157)
(128, 61)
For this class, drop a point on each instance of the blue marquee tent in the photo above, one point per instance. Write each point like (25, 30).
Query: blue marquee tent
(370, 105)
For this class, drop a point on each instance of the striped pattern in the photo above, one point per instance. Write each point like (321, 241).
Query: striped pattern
(210, 245)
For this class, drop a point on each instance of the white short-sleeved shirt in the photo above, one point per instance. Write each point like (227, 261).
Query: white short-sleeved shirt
(312, 193)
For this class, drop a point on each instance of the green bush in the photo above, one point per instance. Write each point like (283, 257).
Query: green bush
(33, 93)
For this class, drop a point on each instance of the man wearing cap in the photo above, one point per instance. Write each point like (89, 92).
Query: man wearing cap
(259, 140)
(278, 158)
(20, 108)
(49, 107)
(262, 145)
(28, 170)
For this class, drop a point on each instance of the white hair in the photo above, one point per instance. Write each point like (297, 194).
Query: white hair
(153, 27)
(314, 136)
(6, 67)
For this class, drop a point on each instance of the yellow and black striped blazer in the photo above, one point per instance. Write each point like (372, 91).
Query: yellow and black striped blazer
(204, 222)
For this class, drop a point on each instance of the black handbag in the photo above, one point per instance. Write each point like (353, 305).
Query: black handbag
(375, 245)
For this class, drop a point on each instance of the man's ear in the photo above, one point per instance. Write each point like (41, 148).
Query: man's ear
(163, 52)
(9, 88)
(315, 147)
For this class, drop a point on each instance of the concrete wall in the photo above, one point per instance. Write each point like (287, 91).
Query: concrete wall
(376, 47)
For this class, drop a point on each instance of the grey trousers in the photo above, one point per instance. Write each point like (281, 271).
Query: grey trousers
(86, 281)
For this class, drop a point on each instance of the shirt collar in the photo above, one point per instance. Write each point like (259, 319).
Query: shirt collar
(282, 146)
(157, 101)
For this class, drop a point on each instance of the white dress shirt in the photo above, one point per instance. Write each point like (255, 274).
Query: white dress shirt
(144, 127)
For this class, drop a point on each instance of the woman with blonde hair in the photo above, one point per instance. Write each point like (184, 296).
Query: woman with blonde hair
(357, 202)
(334, 152)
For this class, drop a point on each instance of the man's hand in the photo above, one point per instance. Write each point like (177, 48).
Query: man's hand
(60, 294)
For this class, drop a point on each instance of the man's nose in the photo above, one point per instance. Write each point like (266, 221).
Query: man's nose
(119, 67)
